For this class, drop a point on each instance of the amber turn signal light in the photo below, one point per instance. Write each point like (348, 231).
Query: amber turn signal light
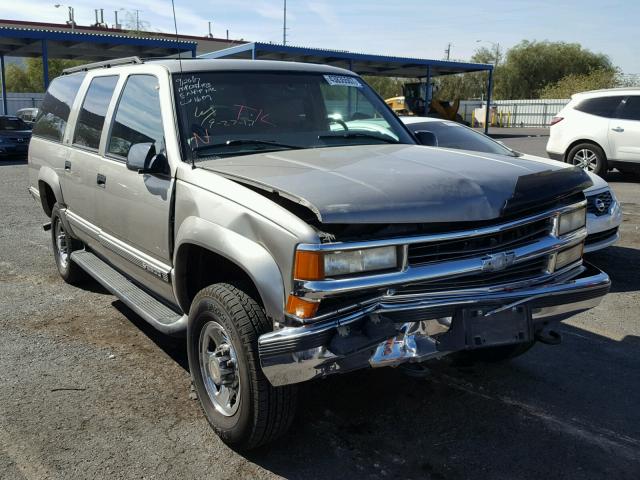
(309, 266)
(301, 308)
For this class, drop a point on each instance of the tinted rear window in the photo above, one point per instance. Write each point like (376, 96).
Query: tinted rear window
(54, 112)
(94, 109)
(600, 106)
(631, 108)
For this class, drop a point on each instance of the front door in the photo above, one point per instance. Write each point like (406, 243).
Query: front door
(134, 209)
(624, 131)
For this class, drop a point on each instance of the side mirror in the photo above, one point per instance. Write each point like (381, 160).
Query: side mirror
(142, 158)
(425, 137)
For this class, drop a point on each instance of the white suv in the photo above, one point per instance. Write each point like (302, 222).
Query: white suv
(598, 130)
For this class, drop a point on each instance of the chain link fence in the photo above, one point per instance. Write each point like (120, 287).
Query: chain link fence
(16, 101)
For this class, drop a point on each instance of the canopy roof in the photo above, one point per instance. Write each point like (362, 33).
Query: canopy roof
(361, 63)
(80, 45)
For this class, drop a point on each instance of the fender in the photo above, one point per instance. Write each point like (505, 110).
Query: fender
(250, 256)
(48, 175)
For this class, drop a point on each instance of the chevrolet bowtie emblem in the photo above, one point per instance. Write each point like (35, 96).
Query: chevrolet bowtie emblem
(497, 261)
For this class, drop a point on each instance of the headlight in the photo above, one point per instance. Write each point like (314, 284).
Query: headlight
(568, 256)
(320, 265)
(571, 221)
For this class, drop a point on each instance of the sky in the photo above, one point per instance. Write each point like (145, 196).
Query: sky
(417, 28)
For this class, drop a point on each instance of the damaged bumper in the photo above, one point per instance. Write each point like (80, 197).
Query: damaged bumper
(394, 329)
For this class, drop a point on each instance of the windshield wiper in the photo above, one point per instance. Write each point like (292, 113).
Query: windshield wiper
(245, 141)
(358, 135)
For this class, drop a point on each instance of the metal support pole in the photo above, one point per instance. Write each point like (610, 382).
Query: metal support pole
(427, 99)
(193, 53)
(487, 115)
(253, 52)
(3, 78)
(45, 64)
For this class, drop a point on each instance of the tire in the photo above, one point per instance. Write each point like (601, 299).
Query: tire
(63, 244)
(494, 354)
(590, 157)
(222, 348)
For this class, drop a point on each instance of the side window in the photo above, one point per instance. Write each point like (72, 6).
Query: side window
(600, 106)
(137, 118)
(94, 108)
(54, 111)
(630, 108)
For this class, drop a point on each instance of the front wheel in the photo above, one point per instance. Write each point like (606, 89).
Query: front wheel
(589, 157)
(243, 408)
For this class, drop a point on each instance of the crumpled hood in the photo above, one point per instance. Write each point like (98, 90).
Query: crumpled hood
(401, 183)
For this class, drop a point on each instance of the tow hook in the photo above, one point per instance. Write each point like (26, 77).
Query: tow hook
(46, 226)
(549, 337)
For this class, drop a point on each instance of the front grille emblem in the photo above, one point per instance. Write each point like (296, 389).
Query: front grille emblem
(497, 261)
(600, 205)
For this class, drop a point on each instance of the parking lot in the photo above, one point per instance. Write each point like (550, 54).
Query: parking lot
(89, 390)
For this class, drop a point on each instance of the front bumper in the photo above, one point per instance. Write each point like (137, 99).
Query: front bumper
(602, 230)
(368, 335)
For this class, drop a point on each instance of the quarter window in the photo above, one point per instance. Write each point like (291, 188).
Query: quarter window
(54, 111)
(630, 108)
(137, 118)
(94, 109)
(600, 106)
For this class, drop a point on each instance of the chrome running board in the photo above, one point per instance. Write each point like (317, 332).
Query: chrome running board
(151, 310)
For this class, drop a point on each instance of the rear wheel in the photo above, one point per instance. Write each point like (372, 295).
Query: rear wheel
(589, 157)
(243, 408)
(63, 245)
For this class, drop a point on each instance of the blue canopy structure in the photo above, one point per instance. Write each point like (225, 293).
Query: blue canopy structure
(75, 44)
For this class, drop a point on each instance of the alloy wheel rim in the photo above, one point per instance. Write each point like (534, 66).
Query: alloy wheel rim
(219, 368)
(62, 244)
(586, 159)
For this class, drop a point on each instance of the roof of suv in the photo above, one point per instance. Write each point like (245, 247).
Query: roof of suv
(608, 91)
(174, 65)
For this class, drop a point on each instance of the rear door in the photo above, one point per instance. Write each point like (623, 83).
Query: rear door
(81, 167)
(624, 131)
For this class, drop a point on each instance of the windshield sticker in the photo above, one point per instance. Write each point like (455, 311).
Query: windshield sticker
(342, 81)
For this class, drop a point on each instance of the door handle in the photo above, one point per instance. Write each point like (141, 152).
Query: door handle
(101, 180)
(67, 166)
(618, 129)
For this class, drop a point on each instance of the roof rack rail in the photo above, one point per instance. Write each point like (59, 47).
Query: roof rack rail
(105, 64)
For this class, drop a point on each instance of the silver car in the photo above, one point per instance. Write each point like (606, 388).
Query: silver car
(604, 214)
(239, 204)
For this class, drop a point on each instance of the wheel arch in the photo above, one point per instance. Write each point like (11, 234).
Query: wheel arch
(207, 253)
(583, 140)
(49, 189)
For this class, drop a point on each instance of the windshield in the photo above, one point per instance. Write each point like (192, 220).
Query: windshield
(236, 113)
(7, 123)
(453, 135)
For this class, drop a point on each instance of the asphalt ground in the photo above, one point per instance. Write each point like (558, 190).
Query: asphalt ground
(88, 390)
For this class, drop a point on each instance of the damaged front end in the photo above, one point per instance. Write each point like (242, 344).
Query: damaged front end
(497, 285)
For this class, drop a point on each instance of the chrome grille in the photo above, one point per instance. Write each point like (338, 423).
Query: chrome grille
(428, 252)
(515, 273)
(599, 204)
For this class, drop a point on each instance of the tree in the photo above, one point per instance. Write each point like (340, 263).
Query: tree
(573, 83)
(29, 77)
(529, 67)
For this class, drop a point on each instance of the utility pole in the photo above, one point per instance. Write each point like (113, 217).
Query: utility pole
(137, 20)
(448, 50)
(284, 25)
